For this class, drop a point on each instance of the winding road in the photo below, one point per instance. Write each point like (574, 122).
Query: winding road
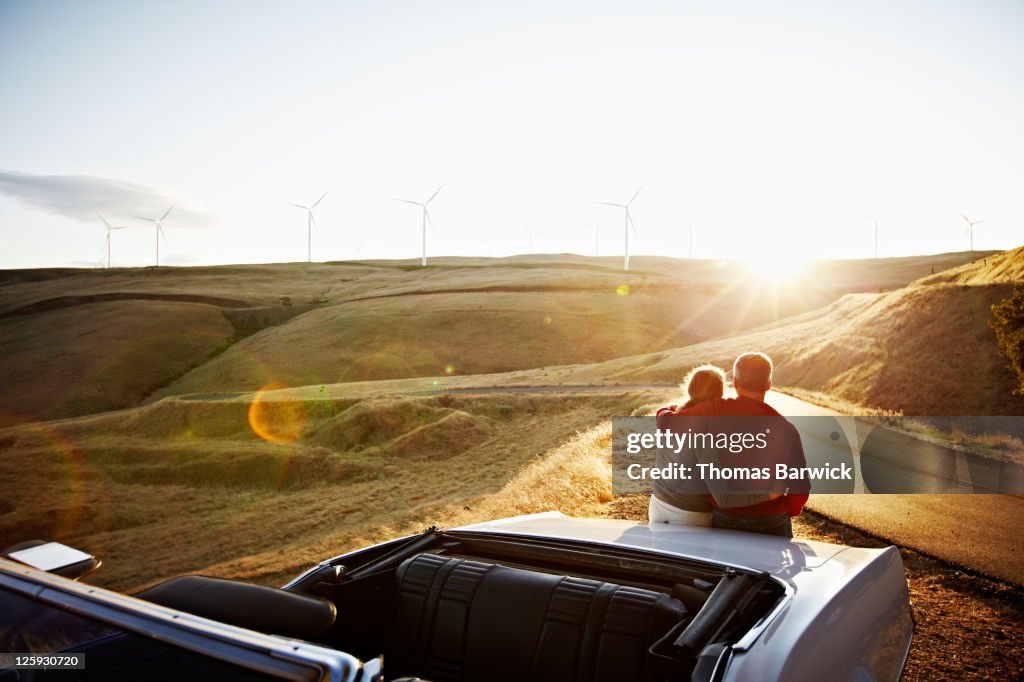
(983, 532)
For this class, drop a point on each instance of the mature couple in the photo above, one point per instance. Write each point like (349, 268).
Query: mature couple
(757, 506)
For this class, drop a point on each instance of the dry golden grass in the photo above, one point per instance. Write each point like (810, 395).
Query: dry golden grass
(999, 268)
(489, 320)
(573, 478)
(431, 335)
(184, 486)
(377, 320)
(921, 350)
(103, 356)
(258, 285)
(304, 283)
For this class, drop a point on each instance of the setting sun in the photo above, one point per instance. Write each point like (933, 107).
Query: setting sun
(777, 268)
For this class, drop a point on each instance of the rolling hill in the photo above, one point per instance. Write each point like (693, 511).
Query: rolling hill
(925, 349)
(106, 355)
(185, 482)
(79, 342)
(185, 485)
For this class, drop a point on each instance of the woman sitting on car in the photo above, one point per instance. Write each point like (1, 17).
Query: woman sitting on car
(668, 504)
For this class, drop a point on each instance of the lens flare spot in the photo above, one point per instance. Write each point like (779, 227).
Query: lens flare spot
(622, 290)
(449, 369)
(80, 502)
(276, 420)
(547, 319)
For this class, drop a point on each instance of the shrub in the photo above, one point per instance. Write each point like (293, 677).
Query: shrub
(1008, 323)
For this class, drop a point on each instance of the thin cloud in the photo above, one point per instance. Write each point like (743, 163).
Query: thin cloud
(80, 197)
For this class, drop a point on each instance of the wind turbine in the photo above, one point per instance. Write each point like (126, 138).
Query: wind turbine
(310, 224)
(970, 228)
(426, 219)
(158, 230)
(689, 230)
(875, 221)
(628, 223)
(109, 230)
(531, 233)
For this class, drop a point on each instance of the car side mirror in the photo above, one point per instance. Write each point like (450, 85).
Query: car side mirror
(53, 557)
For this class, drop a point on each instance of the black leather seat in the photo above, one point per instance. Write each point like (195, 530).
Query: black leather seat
(467, 620)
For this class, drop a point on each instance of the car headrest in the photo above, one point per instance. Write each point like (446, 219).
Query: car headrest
(256, 607)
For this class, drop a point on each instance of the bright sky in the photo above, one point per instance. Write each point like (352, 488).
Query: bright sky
(775, 127)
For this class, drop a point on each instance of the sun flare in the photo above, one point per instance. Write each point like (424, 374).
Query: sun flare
(777, 268)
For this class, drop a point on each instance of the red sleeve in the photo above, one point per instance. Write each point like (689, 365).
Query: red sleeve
(796, 503)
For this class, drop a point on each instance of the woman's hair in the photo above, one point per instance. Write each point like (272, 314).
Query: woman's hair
(703, 383)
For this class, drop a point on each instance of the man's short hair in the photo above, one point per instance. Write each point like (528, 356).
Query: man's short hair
(753, 372)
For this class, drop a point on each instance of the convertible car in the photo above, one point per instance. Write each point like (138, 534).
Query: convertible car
(539, 597)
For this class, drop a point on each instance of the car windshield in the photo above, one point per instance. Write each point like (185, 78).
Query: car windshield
(33, 627)
(36, 625)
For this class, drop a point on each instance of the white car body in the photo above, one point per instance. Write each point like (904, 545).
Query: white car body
(846, 614)
(841, 613)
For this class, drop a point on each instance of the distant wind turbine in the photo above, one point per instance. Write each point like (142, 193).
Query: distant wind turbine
(597, 238)
(689, 231)
(110, 228)
(970, 228)
(628, 223)
(875, 220)
(310, 224)
(531, 233)
(158, 229)
(426, 219)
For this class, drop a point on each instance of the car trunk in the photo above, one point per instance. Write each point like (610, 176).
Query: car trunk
(468, 605)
